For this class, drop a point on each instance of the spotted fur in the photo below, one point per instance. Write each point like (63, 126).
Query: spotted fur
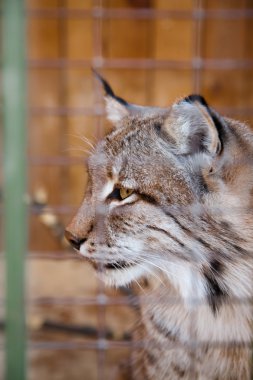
(187, 227)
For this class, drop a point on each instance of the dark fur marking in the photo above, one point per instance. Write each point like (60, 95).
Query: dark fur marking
(200, 240)
(204, 243)
(185, 229)
(162, 330)
(148, 198)
(216, 294)
(202, 184)
(239, 249)
(158, 128)
(217, 266)
(90, 229)
(150, 358)
(224, 224)
(228, 234)
(166, 233)
(163, 134)
(179, 371)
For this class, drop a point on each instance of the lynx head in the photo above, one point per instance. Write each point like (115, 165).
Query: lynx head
(152, 182)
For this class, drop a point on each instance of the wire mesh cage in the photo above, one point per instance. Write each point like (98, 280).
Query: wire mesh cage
(152, 52)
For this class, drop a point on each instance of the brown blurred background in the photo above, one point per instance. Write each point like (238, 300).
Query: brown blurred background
(152, 52)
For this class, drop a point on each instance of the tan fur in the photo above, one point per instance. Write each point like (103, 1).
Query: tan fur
(188, 228)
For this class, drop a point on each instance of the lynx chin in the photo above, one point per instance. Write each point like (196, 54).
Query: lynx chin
(170, 199)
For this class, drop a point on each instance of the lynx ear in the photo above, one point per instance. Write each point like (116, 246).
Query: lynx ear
(116, 107)
(193, 127)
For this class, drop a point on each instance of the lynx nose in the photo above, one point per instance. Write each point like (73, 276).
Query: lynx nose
(75, 241)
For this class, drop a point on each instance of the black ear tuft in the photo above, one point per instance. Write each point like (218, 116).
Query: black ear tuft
(107, 87)
(108, 90)
(196, 98)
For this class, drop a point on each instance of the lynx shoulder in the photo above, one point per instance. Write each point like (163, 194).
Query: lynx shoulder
(170, 199)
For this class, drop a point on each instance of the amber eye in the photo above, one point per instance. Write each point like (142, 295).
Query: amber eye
(124, 193)
(120, 193)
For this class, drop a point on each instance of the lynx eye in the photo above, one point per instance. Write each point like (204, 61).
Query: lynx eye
(120, 193)
(124, 193)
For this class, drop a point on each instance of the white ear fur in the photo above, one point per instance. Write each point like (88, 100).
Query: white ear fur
(192, 128)
(115, 110)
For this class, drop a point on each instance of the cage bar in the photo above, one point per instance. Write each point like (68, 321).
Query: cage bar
(143, 13)
(15, 228)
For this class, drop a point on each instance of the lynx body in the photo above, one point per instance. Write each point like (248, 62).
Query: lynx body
(170, 198)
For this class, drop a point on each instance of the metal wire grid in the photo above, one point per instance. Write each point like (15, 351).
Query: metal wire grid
(197, 64)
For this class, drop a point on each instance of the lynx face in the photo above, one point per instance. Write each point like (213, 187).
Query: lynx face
(158, 188)
(132, 177)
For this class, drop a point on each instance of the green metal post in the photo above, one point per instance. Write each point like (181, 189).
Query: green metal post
(15, 223)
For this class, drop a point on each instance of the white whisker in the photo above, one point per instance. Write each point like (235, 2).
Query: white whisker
(152, 273)
(83, 139)
(137, 282)
(78, 149)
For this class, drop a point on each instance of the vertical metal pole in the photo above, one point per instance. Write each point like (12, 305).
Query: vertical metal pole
(15, 223)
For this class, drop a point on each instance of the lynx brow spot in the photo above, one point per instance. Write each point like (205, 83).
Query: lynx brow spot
(109, 173)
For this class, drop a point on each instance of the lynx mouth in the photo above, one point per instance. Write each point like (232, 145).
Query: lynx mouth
(118, 265)
(118, 273)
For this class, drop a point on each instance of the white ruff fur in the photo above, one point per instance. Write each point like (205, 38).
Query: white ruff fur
(124, 277)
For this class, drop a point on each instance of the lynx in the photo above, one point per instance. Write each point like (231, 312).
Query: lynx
(170, 198)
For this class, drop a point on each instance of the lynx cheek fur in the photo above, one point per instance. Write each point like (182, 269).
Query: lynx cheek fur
(170, 198)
